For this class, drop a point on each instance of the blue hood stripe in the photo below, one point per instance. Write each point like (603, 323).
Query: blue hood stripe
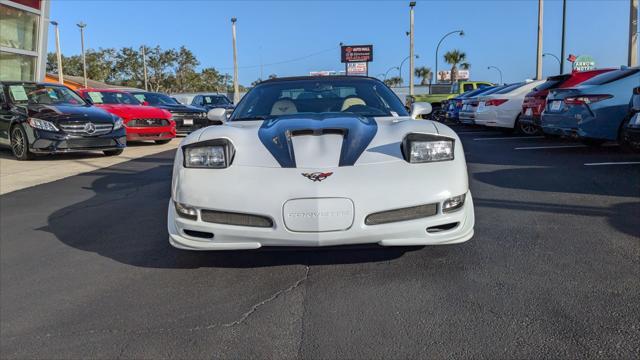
(357, 131)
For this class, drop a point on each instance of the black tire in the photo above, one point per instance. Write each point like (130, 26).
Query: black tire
(592, 142)
(20, 143)
(162, 142)
(625, 145)
(113, 152)
(526, 128)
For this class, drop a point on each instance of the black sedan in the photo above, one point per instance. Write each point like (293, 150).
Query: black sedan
(42, 118)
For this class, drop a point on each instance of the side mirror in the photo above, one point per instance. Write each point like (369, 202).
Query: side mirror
(145, 103)
(420, 108)
(217, 115)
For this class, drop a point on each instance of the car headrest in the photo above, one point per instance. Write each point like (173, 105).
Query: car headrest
(351, 101)
(284, 107)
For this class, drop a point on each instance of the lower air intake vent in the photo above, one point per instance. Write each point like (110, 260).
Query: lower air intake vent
(239, 219)
(404, 214)
(440, 228)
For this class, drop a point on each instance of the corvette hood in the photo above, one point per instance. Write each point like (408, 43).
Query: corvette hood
(316, 140)
(136, 111)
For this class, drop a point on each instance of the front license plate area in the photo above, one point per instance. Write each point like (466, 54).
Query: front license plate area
(555, 105)
(187, 121)
(318, 214)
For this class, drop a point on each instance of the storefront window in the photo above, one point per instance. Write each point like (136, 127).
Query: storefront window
(18, 28)
(17, 67)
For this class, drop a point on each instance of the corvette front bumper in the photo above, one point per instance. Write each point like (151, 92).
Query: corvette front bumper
(402, 233)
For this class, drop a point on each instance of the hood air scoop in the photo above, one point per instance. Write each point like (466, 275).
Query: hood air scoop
(316, 141)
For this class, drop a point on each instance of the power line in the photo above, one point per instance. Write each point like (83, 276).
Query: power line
(284, 61)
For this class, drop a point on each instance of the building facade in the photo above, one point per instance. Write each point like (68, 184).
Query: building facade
(24, 28)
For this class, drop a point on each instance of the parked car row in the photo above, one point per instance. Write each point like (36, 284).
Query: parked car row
(46, 118)
(592, 106)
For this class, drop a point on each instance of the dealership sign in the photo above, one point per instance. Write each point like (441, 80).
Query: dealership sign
(584, 63)
(359, 68)
(445, 75)
(356, 53)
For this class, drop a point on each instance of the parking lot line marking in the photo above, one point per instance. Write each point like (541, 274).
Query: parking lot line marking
(509, 138)
(614, 163)
(477, 132)
(549, 147)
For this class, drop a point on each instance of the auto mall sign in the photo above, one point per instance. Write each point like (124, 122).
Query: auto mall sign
(582, 62)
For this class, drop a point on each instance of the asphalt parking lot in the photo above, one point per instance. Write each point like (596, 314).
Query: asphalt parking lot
(553, 271)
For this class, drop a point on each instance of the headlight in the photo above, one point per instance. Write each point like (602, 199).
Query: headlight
(117, 123)
(421, 148)
(453, 204)
(41, 124)
(212, 154)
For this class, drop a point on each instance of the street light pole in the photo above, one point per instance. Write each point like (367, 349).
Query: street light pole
(411, 63)
(236, 87)
(144, 67)
(555, 57)
(633, 33)
(499, 71)
(460, 32)
(58, 53)
(564, 21)
(539, 52)
(387, 72)
(402, 63)
(82, 25)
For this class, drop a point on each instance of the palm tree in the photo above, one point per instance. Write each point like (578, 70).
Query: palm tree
(455, 58)
(423, 73)
(394, 81)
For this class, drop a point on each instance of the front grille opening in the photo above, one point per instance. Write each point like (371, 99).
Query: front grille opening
(440, 228)
(404, 214)
(239, 219)
(199, 234)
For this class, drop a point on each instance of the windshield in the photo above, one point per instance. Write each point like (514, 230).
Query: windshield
(610, 76)
(362, 96)
(44, 94)
(111, 97)
(155, 99)
(215, 100)
(510, 88)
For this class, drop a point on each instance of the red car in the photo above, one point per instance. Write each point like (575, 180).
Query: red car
(536, 100)
(141, 122)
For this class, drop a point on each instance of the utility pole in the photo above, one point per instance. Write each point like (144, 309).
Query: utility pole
(58, 53)
(633, 33)
(411, 62)
(82, 25)
(236, 88)
(144, 66)
(539, 53)
(564, 22)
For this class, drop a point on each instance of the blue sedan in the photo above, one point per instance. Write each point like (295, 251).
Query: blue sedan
(593, 112)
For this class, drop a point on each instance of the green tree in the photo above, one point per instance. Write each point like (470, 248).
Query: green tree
(423, 73)
(393, 81)
(455, 58)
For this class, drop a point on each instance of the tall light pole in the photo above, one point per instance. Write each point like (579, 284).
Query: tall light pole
(144, 67)
(82, 25)
(402, 63)
(555, 57)
(633, 33)
(412, 4)
(387, 72)
(539, 52)
(460, 32)
(58, 53)
(236, 87)
(564, 21)
(499, 71)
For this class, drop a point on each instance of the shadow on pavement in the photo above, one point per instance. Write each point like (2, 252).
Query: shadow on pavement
(125, 220)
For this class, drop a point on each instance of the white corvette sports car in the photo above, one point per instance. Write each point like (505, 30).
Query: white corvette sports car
(320, 161)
